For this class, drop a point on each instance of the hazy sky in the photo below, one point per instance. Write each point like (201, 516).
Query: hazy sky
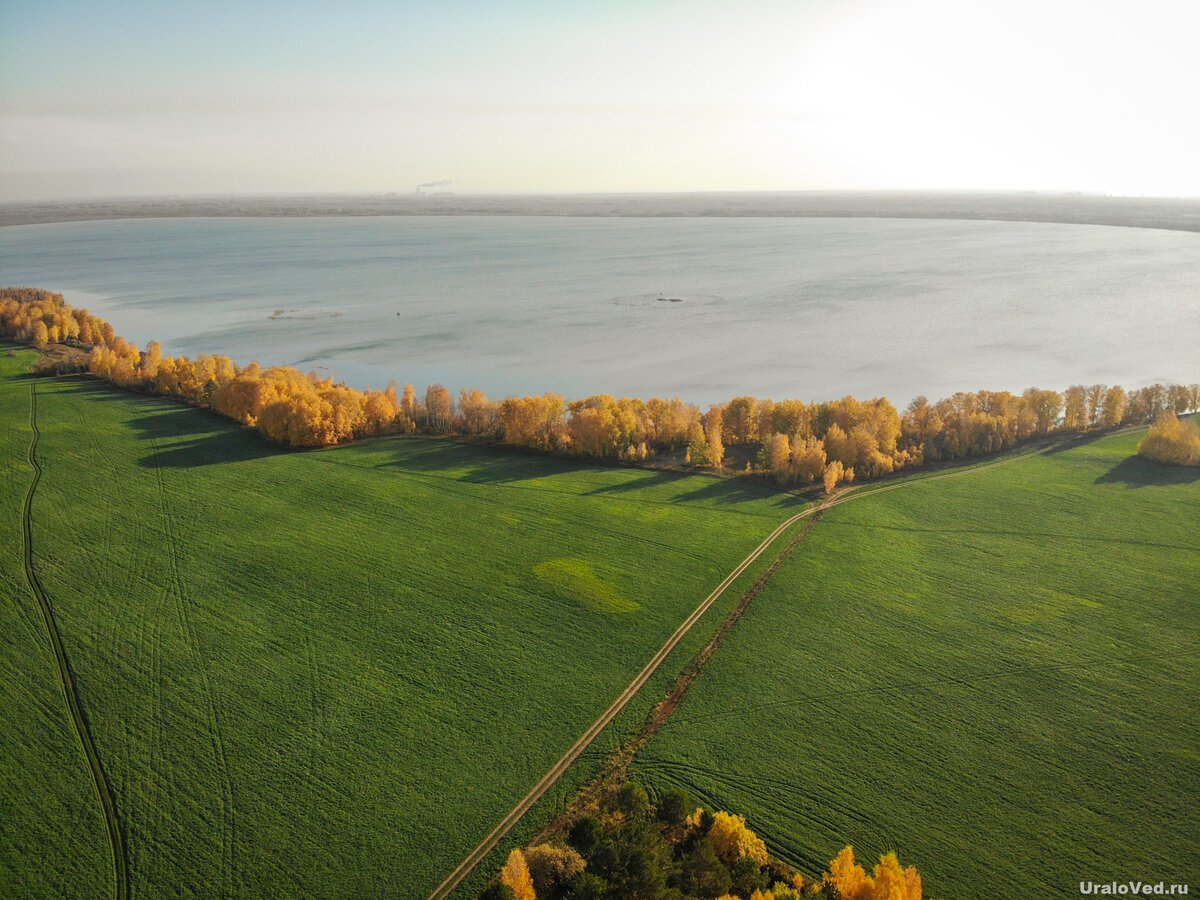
(159, 97)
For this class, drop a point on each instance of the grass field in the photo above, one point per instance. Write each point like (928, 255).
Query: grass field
(994, 674)
(330, 673)
(315, 674)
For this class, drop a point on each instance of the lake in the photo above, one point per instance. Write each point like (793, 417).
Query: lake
(702, 308)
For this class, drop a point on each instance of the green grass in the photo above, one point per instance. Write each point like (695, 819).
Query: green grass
(48, 797)
(994, 674)
(316, 674)
(330, 673)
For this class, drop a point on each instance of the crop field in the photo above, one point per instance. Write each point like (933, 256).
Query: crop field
(997, 675)
(314, 674)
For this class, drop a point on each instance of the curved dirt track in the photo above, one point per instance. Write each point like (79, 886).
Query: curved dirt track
(116, 840)
(505, 825)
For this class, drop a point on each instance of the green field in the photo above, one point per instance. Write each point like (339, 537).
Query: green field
(315, 674)
(331, 673)
(995, 674)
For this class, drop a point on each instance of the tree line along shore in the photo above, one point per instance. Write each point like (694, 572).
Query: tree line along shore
(794, 441)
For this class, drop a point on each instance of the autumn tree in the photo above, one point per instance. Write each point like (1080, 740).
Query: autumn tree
(1112, 408)
(1095, 404)
(552, 868)
(480, 415)
(439, 407)
(764, 424)
(380, 410)
(1179, 398)
(516, 875)
(1046, 406)
(1171, 440)
(409, 404)
(739, 420)
(151, 358)
(670, 423)
(535, 422)
(715, 448)
(1074, 401)
(838, 446)
(779, 458)
(1154, 402)
(892, 882)
(808, 459)
(889, 881)
(920, 425)
(834, 473)
(601, 426)
(791, 417)
(732, 839)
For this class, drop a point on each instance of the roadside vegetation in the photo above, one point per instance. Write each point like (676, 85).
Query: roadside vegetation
(795, 442)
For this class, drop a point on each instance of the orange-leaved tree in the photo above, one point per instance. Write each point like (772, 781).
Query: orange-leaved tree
(516, 875)
(1171, 440)
(888, 882)
(732, 839)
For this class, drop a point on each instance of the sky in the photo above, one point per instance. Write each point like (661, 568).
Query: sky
(506, 96)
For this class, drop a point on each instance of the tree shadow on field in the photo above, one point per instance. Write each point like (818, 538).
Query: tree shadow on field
(475, 463)
(186, 438)
(1136, 472)
(651, 479)
(176, 435)
(738, 490)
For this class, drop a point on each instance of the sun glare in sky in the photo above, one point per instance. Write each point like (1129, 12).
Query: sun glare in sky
(133, 98)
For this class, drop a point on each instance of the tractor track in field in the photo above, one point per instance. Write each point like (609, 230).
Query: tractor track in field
(104, 792)
(228, 837)
(614, 771)
(506, 824)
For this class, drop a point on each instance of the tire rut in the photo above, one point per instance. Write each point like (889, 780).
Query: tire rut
(104, 792)
(550, 778)
(228, 828)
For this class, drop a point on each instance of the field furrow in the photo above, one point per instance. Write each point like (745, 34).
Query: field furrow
(104, 792)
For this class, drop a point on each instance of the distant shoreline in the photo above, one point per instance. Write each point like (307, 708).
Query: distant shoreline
(1067, 209)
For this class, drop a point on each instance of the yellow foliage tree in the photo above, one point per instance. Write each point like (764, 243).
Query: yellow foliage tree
(552, 868)
(849, 877)
(888, 882)
(516, 875)
(1172, 441)
(808, 459)
(779, 458)
(732, 839)
(715, 448)
(834, 472)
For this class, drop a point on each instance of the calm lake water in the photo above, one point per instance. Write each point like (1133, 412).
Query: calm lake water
(806, 308)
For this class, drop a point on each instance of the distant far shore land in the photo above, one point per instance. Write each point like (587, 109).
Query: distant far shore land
(1177, 214)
